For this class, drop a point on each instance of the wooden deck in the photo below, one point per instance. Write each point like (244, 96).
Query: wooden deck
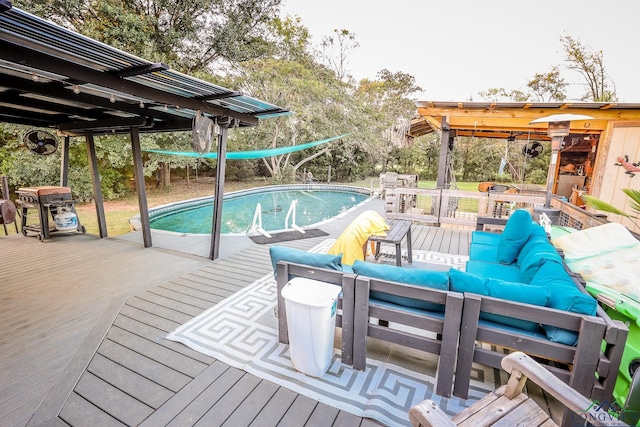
(83, 318)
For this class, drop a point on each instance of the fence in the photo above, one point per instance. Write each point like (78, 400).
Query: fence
(461, 209)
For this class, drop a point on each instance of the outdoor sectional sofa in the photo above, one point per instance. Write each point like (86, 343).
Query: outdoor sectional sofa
(532, 305)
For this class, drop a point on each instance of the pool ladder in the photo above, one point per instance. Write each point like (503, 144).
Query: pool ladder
(291, 213)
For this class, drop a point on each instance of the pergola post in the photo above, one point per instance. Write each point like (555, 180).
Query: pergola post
(95, 180)
(64, 163)
(138, 172)
(443, 158)
(219, 195)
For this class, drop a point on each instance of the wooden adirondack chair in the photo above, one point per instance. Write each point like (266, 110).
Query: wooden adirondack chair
(508, 406)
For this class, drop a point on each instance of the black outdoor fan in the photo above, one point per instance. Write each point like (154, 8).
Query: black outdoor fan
(532, 150)
(41, 142)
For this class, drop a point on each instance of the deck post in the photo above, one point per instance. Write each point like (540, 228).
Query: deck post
(95, 180)
(217, 200)
(442, 181)
(141, 191)
(64, 163)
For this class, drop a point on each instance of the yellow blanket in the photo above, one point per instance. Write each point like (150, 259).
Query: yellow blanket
(352, 241)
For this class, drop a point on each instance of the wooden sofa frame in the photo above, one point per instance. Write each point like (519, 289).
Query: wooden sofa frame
(612, 345)
(356, 310)
(455, 335)
(444, 327)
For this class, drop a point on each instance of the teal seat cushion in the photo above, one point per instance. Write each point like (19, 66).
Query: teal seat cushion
(508, 273)
(519, 292)
(297, 256)
(564, 296)
(426, 278)
(514, 236)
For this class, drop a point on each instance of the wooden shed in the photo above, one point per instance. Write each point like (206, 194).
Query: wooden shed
(599, 157)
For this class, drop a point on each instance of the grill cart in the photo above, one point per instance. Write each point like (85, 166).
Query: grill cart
(48, 202)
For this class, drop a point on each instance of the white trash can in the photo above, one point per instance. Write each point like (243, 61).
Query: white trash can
(311, 319)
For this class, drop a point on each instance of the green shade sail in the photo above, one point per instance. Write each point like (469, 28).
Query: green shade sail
(255, 154)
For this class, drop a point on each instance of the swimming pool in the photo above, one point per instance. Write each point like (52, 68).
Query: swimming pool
(315, 204)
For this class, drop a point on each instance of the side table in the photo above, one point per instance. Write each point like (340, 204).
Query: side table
(399, 229)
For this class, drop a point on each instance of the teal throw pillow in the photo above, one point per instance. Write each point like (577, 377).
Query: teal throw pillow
(514, 236)
(534, 243)
(496, 288)
(419, 277)
(297, 256)
(538, 253)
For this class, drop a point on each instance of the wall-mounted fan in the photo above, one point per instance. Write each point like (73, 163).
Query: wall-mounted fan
(532, 150)
(40, 142)
(202, 133)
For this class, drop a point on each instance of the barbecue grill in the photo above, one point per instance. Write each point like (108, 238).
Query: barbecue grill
(48, 202)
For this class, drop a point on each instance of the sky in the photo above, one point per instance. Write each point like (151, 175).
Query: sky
(458, 48)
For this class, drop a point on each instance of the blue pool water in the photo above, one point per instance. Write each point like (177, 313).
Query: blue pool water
(314, 206)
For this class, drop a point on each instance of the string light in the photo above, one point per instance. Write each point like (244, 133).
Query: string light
(34, 77)
(76, 89)
(141, 104)
(112, 99)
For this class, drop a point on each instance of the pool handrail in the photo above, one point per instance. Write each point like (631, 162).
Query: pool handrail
(292, 213)
(257, 227)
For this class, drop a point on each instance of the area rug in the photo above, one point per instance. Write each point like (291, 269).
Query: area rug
(432, 257)
(286, 236)
(242, 332)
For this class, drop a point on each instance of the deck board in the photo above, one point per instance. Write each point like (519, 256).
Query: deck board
(108, 328)
(159, 354)
(112, 400)
(197, 407)
(272, 412)
(163, 375)
(131, 383)
(227, 404)
(79, 412)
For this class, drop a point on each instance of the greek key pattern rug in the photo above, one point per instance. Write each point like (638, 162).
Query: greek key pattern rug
(242, 332)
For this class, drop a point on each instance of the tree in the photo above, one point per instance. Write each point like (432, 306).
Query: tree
(548, 87)
(292, 39)
(590, 65)
(541, 88)
(500, 94)
(389, 106)
(189, 35)
(311, 92)
(335, 50)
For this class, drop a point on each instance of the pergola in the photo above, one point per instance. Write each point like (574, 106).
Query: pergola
(51, 77)
(512, 120)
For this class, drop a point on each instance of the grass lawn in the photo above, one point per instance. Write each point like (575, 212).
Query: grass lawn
(118, 212)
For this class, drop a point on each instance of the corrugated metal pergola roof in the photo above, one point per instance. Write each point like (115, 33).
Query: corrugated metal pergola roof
(54, 77)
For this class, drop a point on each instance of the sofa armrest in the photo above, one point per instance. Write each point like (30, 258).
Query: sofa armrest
(583, 357)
